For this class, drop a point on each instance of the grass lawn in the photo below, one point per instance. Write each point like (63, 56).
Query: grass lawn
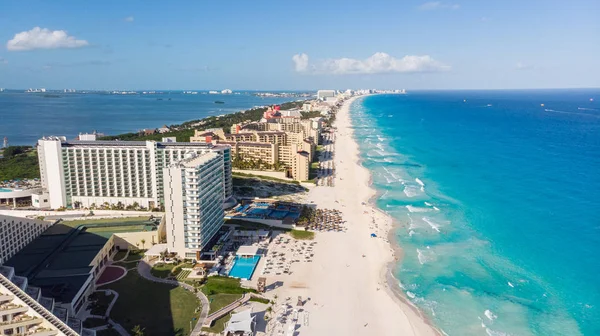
(120, 255)
(100, 302)
(218, 325)
(162, 270)
(221, 284)
(93, 322)
(116, 229)
(116, 221)
(158, 308)
(302, 235)
(135, 255)
(218, 301)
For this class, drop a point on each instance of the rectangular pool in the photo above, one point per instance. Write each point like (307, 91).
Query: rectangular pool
(244, 267)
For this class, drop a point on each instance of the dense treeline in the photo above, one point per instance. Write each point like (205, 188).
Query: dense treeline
(184, 131)
(19, 162)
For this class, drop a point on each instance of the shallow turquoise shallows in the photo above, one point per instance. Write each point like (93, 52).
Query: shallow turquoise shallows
(244, 267)
(497, 199)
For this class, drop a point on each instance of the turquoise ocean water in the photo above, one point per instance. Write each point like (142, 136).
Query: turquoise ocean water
(497, 199)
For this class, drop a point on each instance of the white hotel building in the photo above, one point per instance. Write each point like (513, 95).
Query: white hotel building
(82, 173)
(193, 206)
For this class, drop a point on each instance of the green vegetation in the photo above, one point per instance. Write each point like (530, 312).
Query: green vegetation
(256, 299)
(99, 303)
(302, 235)
(241, 179)
(158, 308)
(218, 301)
(120, 255)
(218, 325)
(18, 163)
(310, 114)
(162, 270)
(184, 131)
(220, 284)
(115, 221)
(135, 255)
(92, 322)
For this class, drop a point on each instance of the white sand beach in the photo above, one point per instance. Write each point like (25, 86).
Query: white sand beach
(345, 285)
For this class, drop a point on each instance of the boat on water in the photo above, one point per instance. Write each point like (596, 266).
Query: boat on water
(219, 102)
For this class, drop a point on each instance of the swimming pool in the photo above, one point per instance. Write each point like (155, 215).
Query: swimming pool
(243, 267)
(5, 190)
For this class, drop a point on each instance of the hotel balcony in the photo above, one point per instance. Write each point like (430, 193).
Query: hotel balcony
(11, 309)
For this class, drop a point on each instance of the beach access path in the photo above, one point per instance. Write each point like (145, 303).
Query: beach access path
(345, 287)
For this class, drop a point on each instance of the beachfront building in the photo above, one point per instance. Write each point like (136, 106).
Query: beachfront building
(21, 314)
(193, 204)
(324, 94)
(280, 140)
(16, 233)
(93, 173)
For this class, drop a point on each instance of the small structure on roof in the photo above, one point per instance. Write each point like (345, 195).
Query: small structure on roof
(242, 323)
(155, 250)
(247, 251)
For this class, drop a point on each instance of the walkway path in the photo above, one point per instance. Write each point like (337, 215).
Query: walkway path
(221, 312)
(144, 270)
(114, 324)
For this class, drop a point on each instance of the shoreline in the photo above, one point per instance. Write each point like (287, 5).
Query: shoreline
(387, 272)
(348, 280)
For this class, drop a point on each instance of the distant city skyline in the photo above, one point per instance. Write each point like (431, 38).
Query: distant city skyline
(300, 46)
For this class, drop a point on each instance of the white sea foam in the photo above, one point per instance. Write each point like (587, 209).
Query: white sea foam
(586, 109)
(428, 204)
(488, 313)
(434, 225)
(384, 194)
(436, 208)
(410, 294)
(420, 182)
(416, 209)
(411, 233)
(491, 332)
(410, 191)
(511, 285)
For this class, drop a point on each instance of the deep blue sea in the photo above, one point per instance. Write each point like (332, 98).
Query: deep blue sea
(26, 117)
(497, 198)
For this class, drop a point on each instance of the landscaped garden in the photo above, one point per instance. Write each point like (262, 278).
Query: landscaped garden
(159, 309)
(302, 235)
(99, 302)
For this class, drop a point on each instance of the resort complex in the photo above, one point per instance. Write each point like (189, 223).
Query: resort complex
(275, 142)
(90, 173)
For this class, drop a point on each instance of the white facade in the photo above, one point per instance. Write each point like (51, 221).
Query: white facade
(16, 233)
(87, 173)
(324, 94)
(193, 205)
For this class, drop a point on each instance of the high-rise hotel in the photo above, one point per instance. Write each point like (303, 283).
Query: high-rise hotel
(85, 173)
(193, 205)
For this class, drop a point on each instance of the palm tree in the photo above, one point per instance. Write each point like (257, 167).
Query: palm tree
(137, 330)
(143, 241)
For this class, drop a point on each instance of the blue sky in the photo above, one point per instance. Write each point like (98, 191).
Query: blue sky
(300, 45)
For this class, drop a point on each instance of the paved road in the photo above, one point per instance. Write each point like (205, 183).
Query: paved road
(144, 270)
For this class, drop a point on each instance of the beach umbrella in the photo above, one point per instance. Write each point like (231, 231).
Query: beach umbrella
(373, 235)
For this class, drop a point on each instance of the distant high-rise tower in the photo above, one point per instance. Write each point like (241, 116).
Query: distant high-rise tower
(5, 142)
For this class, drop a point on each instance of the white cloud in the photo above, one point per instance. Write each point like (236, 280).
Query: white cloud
(129, 19)
(435, 5)
(300, 62)
(378, 63)
(43, 38)
(523, 66)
